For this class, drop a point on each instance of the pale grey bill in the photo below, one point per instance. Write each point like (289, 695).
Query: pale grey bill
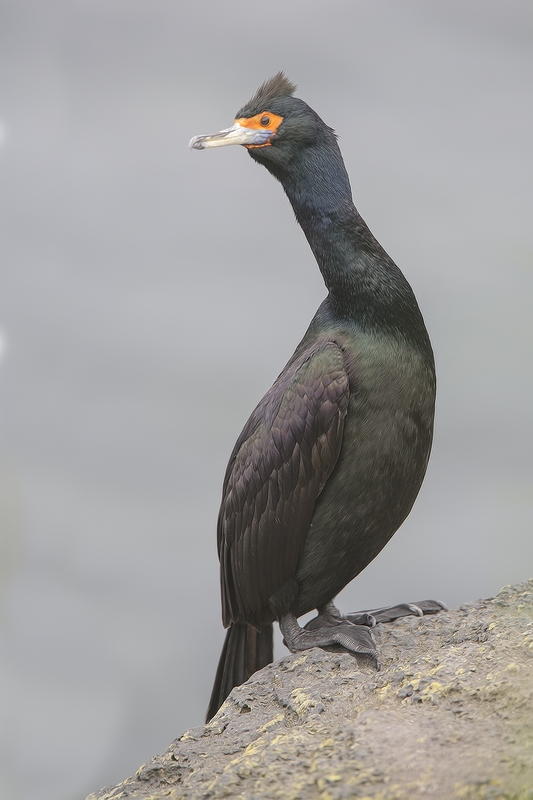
(237, 134)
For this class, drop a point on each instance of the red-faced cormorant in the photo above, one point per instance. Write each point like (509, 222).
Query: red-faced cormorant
(330, 462)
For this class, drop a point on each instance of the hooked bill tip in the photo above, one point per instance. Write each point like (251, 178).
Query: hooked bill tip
(196, 143)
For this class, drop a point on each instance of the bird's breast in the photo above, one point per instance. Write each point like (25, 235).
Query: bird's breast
(381, 465)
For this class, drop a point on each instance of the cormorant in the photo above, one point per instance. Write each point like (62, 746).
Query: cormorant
(331, 460)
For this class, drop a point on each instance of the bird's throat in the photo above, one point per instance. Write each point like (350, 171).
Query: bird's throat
(361, 278)
(364, 284)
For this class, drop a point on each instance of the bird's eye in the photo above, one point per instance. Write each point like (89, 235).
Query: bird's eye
(265, 120)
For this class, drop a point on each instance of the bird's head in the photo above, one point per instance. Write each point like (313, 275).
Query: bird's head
(275, 127)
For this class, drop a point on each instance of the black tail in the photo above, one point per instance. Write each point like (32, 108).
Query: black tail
(245, 651)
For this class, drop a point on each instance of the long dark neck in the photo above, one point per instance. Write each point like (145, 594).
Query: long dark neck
(363, 282)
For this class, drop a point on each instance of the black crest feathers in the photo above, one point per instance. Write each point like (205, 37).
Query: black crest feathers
(277, 86)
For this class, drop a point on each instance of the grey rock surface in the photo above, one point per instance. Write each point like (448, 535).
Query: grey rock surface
(450, 715)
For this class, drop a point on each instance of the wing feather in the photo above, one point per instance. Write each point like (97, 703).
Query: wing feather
(278, 468)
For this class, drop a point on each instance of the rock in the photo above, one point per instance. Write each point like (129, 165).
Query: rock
(450, 715)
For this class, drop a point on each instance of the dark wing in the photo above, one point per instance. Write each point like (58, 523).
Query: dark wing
(278, 468)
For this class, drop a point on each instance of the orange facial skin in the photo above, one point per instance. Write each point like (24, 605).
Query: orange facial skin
(263, 121)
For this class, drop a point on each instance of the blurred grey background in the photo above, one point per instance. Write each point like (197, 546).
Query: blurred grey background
(150, 296)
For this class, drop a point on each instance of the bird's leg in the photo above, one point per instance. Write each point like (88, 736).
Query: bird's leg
(390, 613)
(357, 639)
(329, 616)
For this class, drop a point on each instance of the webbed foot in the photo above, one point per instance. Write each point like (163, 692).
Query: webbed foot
(356, 638)
(351, 631)
(390, 613)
